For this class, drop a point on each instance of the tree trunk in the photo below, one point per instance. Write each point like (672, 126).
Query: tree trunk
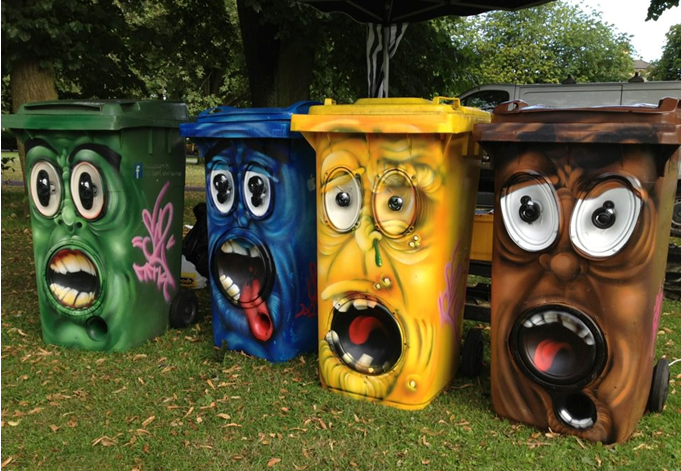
(279, 71)
(30, 82)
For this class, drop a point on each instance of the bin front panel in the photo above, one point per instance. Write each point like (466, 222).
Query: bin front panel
(106, 212)
(261, 221)
(580, 242)
(393, 260)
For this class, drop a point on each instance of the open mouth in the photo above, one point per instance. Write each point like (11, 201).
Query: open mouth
(558, 346)
(365, 335)
(245, 272)
(576, 410)
(73, 279)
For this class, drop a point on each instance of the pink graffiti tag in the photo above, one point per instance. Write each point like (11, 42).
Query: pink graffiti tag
(448, 306)
(656, 319)
(155, 245)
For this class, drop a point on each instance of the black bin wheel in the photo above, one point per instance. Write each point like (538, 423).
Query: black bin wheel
(660, 386)
(184, 310)
(471, 354)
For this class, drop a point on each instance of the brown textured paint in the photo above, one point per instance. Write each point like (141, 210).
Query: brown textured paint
(619, 293)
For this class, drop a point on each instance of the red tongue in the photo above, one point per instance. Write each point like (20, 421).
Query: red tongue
(361, 327)
(259, 319)
(546, 353)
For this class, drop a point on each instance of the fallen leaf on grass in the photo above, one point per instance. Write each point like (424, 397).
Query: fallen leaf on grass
(7, 461)
(224, 416)
(13, 423)
(104, 441)
(299, 468)
(191, 409)
(148, 421)
(423, 441)
(54, 428)
(272, 462)
(644, 446)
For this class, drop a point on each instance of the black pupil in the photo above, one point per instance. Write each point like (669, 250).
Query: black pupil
(395, 203)
(221, 184)
(43, 184)
(256, 186)
(604, 217)
(529, 210)
(86, 190)
(343, 199)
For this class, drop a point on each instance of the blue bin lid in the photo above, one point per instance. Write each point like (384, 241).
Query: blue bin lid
(246, 123)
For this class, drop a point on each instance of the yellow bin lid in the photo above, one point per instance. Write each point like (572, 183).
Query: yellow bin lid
(391, 115)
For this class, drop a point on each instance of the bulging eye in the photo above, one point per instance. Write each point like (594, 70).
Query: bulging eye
(87, 190)
(222, 190)
(258, 192)
(394, 202)
(604, 220)
(529, 209)
(45, 188)
(342, 200)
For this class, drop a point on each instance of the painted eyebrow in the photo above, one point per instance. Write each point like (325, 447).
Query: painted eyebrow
(110, 156)
(31, 143)
(216, 149)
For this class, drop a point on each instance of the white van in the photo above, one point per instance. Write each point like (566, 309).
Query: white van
(572, 95)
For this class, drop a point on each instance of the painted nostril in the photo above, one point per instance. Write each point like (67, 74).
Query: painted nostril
(565, 265)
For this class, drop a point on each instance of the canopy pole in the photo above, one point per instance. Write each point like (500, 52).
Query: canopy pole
(386, 58)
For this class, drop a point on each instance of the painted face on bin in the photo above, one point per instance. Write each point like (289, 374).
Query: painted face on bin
(82, 225)
(573, 254)
(256, 208)
(378, 223)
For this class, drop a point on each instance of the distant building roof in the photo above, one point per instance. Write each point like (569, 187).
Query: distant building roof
(641, 65)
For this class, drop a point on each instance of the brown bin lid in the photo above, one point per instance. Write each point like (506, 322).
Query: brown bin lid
(516, 121)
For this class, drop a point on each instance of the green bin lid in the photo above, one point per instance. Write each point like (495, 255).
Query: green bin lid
(96, 115)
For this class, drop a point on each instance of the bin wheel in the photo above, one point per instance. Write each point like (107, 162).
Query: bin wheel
(184, 310)
(660, 386)
(471, 354)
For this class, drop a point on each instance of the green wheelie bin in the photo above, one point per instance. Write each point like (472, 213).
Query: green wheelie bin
(106, 186)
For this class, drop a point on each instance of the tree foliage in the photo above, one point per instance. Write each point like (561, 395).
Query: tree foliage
(546, 44)
(657, 7)
(669, 65)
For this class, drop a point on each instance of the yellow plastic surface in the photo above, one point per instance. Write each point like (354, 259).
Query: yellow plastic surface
(391, 115)
(481, 247)
(415, 268)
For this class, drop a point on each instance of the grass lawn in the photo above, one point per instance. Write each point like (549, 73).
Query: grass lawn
(178, 403)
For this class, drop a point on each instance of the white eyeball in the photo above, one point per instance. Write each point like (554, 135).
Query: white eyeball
(342, 199)
(87, 190)
(45, 185)
(222, 190)
(258, 193)
(604, 220)
(530, 211)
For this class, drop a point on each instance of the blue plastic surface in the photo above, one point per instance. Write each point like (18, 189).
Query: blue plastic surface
(246, 123)
(275, 315)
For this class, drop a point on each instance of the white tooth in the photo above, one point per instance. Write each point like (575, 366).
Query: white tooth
(82, 299)
(371, 304)
(344, 307)
(584, 423)
(360, 304)
(551, 317)
(227, 247)
(334, 337)
(85, 265)
(255, 253)
(226, 282)
(528, 323)
(569, 323)
(234, 291)
(537, 319)
(589, 339)
(238, 249)
(72, 264)
(53, 267)
(91, 297)
(365, 360)
(347, 358)
(61, 268)
(60, 291)
(53, 288)
(70, 296)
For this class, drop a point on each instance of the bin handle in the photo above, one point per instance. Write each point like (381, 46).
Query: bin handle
(455, 102)
(510, 106)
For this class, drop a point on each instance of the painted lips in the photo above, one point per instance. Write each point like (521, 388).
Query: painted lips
(73, 279)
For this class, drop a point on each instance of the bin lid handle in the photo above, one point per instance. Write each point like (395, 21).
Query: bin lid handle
(455, 102)
(510, 106)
